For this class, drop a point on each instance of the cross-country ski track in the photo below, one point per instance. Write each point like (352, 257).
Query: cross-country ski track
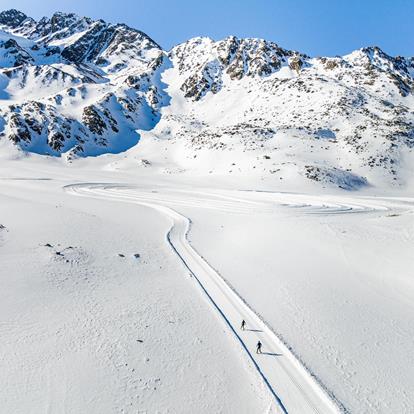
(294, 389)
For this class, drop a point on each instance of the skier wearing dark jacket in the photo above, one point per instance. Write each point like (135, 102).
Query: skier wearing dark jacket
(243, 325)
(259, 348)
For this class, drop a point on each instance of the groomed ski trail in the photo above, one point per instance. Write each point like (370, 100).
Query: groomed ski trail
(294, 390)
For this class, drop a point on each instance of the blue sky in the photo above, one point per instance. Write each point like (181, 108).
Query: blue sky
(316, 27)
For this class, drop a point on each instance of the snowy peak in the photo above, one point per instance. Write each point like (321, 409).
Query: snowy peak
(12, 18)
(369, 57)
(61, 21)
(101, 42)
(372, 61)
(80, 39)
(204, 62)
(73, 85)
(60, 26)
(343, 121)
(250, 57)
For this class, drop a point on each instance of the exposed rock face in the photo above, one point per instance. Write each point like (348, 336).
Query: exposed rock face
(103, 40)
(14, 54)
(95, 39)
(12, 18)
(296, 64)
(205, 62)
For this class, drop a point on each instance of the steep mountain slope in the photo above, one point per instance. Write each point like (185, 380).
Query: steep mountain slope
(74, 86)
(252, 107)
(77, 86)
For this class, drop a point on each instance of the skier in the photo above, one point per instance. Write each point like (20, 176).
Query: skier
(259, 348)
(243, 325)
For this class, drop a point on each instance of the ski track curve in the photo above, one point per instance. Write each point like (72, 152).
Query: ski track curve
(295, 390)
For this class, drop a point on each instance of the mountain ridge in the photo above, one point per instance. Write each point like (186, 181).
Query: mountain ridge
(75, 86)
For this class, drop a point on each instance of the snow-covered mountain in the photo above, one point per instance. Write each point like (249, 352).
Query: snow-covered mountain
(77, 86)
(74, 86)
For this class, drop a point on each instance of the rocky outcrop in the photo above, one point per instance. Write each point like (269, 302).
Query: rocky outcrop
(204, 62)
(15, 55)
(12, 18)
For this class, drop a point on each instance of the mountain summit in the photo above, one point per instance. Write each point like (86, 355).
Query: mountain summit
(69, 83)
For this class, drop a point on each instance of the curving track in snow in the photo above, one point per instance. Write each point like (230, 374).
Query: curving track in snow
(294, 389)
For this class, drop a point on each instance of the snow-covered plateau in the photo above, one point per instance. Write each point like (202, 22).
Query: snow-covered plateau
(151, 200)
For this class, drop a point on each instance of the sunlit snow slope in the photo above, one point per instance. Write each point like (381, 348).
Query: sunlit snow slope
(75, 86)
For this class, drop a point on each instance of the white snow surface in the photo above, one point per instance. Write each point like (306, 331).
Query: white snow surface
(322, 279)
(181, 192)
